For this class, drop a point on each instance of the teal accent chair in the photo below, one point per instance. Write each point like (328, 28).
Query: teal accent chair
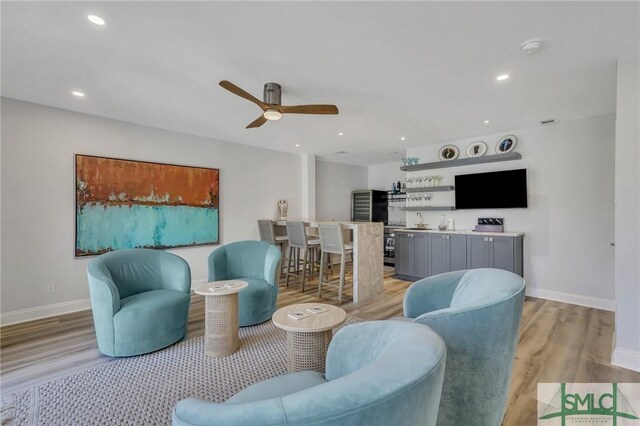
(140, 300)
(255, 262)
(377, 373)
(477, 312)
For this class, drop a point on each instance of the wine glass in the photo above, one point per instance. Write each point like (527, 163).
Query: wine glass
(429, 178)
(437, 180)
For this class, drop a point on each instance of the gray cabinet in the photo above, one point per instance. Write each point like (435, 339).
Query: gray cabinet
(404, 254)
(495, 252)
(478, 252)
(420, 255)
(447, 252)
(412, 258)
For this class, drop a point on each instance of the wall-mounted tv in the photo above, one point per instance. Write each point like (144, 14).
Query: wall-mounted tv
(494, 190)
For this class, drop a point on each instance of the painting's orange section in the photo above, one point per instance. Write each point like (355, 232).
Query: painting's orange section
(108, 179)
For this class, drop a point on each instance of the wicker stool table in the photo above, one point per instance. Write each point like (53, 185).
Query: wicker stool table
(221, 316)
(308, 338)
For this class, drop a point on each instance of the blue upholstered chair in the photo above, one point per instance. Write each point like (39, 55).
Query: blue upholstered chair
(477, 313)
(255, 262)
(377, 373)
(140, 300)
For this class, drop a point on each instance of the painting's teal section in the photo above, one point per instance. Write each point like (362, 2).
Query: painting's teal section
(102, 228)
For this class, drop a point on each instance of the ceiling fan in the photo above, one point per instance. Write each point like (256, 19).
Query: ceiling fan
(271, 107)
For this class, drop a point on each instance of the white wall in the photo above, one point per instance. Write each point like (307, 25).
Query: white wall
(569, 224)
(37, 194)
(334, 183)
(627, 215)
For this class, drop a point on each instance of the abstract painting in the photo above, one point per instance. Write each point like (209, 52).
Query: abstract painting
(136, 204)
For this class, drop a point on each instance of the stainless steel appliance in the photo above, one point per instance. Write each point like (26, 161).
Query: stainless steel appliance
(389, 245)
(369, 206)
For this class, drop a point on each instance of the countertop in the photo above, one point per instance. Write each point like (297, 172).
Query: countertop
(461, 232)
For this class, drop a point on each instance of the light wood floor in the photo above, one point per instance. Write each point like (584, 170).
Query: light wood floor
(558, 343)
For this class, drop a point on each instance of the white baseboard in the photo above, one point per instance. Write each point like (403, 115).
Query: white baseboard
(39, 312)
(626, 359)
(574, 299)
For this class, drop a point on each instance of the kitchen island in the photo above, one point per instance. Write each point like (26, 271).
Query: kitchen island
(368, 256)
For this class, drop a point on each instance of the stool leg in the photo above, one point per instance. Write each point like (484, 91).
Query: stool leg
(286, 284)
(304, 268)
(322, 256)
(342, 271)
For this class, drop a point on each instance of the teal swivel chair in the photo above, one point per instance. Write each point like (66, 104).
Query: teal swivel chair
(255, 262)
(477, 312)
(140, 300)
(377, 373)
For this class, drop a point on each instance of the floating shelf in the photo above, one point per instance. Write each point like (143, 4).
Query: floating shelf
(431, 188)
(462, 162)
(426, 209)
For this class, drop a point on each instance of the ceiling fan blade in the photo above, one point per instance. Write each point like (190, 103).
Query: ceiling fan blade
(257, 122)
(308, 109)
(242, 93)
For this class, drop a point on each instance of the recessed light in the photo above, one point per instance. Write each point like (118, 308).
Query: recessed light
(502, 77)
(297, 145)
(78, 94)
(96, 19)
(402, 138)
(340, 133)
(486, 121)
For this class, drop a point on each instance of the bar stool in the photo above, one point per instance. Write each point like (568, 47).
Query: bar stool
(332, 242)
(300, 246)
(268, 234)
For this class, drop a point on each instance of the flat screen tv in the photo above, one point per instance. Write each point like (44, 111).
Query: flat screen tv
(494, 190)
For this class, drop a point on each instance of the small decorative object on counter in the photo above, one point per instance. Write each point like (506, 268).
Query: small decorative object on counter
(283, 207)
(393, 188)
(442, 225)
(490, 224)
(451, 226)
(398, 186)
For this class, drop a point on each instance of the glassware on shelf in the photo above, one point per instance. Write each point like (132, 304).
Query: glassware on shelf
(427, 200)
(438, 180)
(429, 179)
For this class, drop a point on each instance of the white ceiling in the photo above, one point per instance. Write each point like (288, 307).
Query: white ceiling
(422, 70)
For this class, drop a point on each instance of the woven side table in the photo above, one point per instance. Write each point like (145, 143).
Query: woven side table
(308, 338)
(221, 317)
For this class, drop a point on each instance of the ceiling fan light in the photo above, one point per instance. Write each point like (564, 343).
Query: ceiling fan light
(272, 114)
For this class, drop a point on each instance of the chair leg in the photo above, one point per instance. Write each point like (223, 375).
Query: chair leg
(330, 264)
(286, 283)
(322, 256)
(305, 262)
(342, 272)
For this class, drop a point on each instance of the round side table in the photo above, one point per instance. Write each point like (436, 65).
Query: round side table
(221, 317)
(308, 338)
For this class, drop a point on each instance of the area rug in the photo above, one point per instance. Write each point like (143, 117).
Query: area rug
(143, 390)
